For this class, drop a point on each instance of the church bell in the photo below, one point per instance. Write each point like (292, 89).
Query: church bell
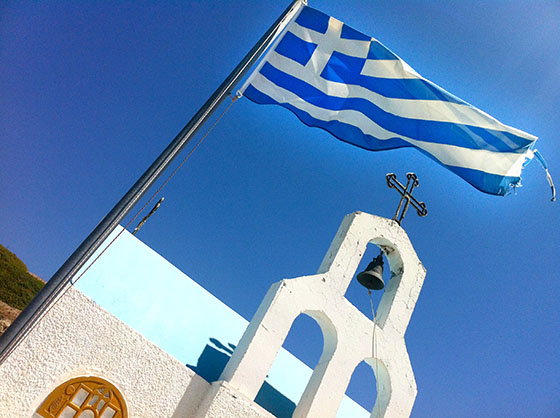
(372, 276)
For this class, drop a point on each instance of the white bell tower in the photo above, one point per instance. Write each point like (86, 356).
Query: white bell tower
(347, 332)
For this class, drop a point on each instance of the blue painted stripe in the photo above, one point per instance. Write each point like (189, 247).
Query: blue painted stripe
(342, 131)
(378, 51)
(485, 182)
(351, 33)
(408, 88)
(431, 131)
(313, 19)
(339, 65)
(258, 96)
(489, 183)
(295, 48)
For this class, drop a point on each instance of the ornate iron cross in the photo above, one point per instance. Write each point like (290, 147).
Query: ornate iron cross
(406, 195)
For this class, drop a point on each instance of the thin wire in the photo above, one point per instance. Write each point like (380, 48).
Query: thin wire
(374, 352)
(159, 189)
(72, 282)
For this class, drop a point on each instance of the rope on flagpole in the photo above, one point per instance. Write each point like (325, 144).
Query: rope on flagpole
(233, 100)
(72, 282)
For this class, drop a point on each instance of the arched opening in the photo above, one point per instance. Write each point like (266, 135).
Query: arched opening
(288, 376)
(84, 397)
(369, 389)
(305, 340)
(357, 294)
(362, 389)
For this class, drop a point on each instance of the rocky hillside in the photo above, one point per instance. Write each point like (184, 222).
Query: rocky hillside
(7, 316)
(17, 287)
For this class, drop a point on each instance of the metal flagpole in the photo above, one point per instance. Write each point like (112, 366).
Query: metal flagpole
(58, 282)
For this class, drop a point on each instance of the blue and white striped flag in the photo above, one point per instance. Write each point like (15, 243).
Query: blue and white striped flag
(336, 78)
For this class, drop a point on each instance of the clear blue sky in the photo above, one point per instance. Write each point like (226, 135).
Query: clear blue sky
(91, 92)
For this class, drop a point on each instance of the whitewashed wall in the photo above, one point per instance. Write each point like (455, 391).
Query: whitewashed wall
(78, 338)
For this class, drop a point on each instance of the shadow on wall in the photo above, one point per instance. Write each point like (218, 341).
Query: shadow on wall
(212, 362)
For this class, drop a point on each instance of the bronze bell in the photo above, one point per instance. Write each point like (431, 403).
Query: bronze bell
(372, 276)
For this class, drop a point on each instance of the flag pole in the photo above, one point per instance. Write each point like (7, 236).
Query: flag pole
(58, 282)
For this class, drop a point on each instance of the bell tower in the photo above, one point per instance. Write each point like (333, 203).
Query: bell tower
(347, 332)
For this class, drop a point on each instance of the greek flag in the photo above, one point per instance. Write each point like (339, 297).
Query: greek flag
(336, 78)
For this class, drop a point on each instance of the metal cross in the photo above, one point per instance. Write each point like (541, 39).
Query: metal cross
(406, 194)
